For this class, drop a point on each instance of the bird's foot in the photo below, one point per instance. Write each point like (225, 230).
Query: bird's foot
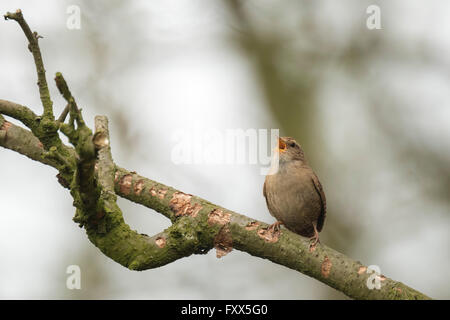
(275, 227)
(271, 233)
(315, 239)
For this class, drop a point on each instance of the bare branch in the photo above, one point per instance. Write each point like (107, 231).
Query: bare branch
(64, 114)
(33, 46)
(18, 112)
(105, 164)
(72, 108)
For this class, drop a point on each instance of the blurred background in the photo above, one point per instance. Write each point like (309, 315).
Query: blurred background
(371, 109)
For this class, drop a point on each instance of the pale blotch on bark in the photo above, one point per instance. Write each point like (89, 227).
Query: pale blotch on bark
(181, 205)
(160, 242)
(223, 243)
(4, 129)
(5, 126)
(362, 269)
(326, 267)
(217, 216)
(138, 187)
(101, 140)
(125, 184)
(252, 226)
(269, 235)
(161, 193)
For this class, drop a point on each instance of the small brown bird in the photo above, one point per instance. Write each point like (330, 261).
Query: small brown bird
(294, 195)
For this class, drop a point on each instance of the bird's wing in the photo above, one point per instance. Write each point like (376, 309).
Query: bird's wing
(267, 200)
(264, 190)
(323, 212)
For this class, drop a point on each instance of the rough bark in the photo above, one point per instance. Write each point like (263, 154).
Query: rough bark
(88, 171)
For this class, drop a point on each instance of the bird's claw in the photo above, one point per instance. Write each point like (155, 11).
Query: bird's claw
(315, 239)
(275, 227)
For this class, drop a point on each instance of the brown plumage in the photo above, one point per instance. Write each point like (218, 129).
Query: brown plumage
(294, 195)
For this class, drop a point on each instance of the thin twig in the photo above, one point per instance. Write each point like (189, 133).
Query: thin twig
(75, 112)
(63, 115)
(33, 46)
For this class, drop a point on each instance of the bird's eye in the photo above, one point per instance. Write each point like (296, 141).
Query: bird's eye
(292, 144)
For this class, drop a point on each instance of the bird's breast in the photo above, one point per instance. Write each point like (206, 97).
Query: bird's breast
(293, 200)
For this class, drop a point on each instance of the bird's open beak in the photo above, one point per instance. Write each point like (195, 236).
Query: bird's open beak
(281, 145)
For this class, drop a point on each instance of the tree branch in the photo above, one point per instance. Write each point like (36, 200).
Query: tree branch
(19, 112)
(89, 172)
(33, 46)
